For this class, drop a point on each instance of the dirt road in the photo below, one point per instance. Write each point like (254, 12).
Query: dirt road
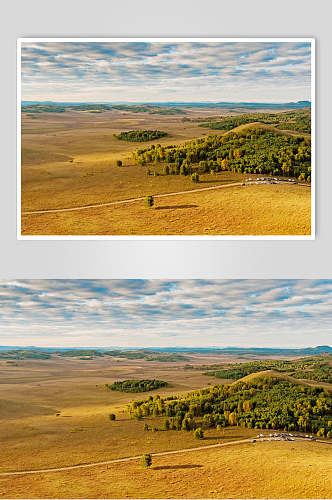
(128, 459)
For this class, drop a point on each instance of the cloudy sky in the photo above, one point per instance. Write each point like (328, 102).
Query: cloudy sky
(168, 71)
(154, 313)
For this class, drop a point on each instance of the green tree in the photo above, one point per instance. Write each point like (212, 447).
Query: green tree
(112, 416)
(146, 460)
(166, 425)
(166, 170)
(118, 163)
(195, 177)
(183, 170)
(146, 427)
(149, 201)
(198, 433)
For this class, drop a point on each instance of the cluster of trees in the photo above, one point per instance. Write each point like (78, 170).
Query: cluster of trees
(253, 151)
(147, 355)
(136, 385)
(140, 135)
(148, 108)
(263, 403)
(80, 353)
(43, 108)
(24, 354)
(290, 120)
(309, 368)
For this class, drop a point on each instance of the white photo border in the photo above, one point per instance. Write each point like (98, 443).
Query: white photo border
(310, 40)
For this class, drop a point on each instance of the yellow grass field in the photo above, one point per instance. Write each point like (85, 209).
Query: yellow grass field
(69, 160)
(250, 210)
(33, 437)
(260, 470)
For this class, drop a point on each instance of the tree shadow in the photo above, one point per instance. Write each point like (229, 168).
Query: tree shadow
(164, 467)
(218, 438)
(215, 182)
(169, 207)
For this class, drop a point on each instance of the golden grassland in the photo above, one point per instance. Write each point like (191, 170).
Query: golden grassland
(33, 437)
(250, 210)
(50, 180)
(260, 470)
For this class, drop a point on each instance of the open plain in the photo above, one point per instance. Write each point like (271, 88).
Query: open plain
(54, 413)
(69, 161)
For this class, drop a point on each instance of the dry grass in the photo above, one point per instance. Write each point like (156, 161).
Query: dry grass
(253, 210)
(50, 180)
(261, 470)
(33, 437)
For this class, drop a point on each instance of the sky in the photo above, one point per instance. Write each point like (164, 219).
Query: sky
(166, 71)
(155, 313)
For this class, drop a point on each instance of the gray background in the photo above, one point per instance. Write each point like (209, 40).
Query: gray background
(165, 259)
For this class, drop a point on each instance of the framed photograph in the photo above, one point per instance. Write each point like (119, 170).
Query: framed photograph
(166, 138)
(166, 389)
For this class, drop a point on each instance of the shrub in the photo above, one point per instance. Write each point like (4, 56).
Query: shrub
(149, 201)
(198, 433)
(146, 460)
(112, 416)
(118, 163)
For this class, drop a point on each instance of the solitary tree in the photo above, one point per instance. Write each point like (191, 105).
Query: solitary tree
(112, 416)
(118, 163)
(146, 460)
(149, 201)
(195, 177)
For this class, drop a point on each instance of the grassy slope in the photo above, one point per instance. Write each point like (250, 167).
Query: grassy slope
(284, 376)
(271, 373)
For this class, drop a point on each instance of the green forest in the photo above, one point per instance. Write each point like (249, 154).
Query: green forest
(136, 385)
(149, 108)
(307, 368)
(264, 403)
(24, 354)
(299, 121)
(253, 150)
(140, 135)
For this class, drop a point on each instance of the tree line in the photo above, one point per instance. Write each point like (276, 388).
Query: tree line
(263, 403)
(299, 121)
(136, 385)
(310, 368)
(253, 151)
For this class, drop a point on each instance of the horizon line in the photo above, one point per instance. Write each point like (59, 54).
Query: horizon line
(170, 347)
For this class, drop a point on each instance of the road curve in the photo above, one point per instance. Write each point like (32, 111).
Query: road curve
(130, 200)
(137, 457)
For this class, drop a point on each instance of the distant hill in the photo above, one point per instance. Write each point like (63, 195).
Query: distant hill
(257, 351)
(225, 105)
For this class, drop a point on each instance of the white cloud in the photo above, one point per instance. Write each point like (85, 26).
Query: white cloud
(136, 71)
